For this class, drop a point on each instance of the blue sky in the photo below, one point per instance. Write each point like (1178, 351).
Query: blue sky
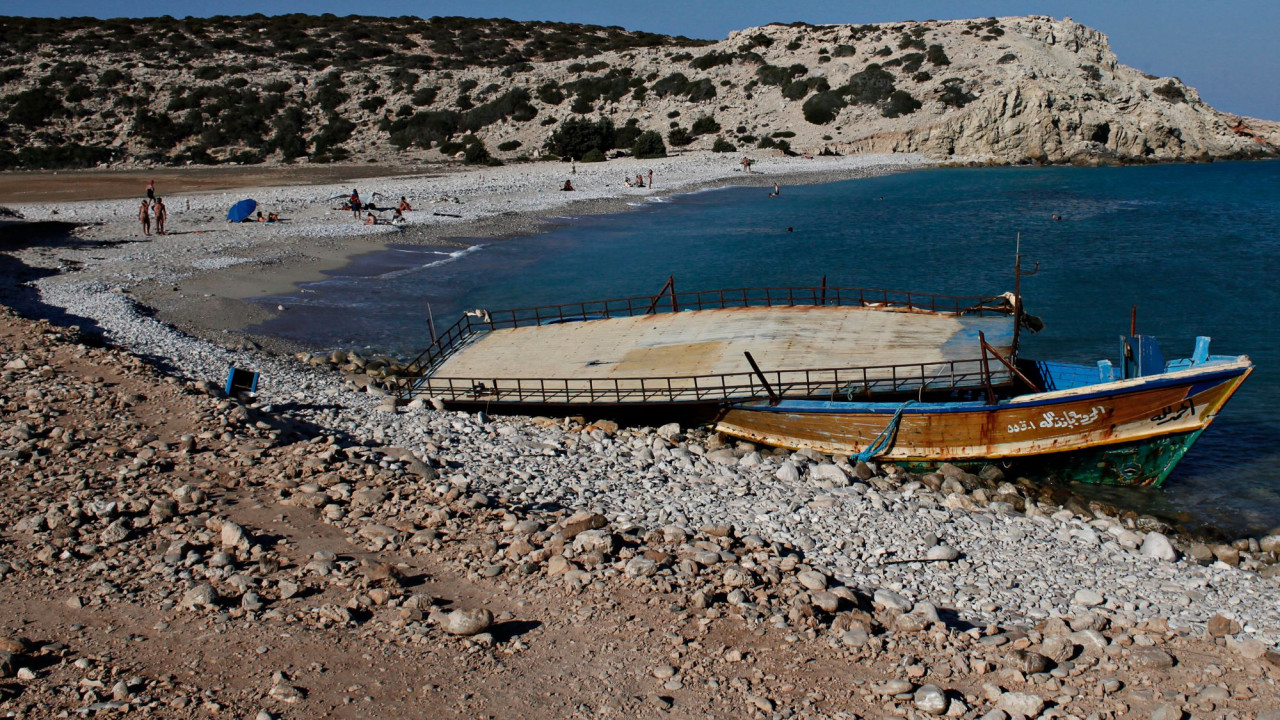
(1226, 50)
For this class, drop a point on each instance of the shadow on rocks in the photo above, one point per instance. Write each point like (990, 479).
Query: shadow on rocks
(506, 631)
(18, 291)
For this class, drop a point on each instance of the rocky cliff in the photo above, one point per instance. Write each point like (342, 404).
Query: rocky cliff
(301, 88)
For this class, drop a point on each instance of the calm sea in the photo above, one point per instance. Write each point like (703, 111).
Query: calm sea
(1194, 247)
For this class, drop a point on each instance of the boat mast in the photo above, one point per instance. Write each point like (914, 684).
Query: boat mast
(1017, 294)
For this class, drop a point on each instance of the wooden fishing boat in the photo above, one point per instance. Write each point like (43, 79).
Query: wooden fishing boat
(1094, 427)
(918, 379)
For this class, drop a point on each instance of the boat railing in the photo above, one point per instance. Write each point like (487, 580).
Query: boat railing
(475, 322)
(837, 384)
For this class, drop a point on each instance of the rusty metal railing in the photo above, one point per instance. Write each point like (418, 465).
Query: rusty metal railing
(845, 384)
(477, 322)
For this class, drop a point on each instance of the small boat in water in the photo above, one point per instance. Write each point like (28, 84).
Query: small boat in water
(916, 379)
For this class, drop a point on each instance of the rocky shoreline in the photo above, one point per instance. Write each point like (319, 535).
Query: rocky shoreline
(317, 536)
(314, 543)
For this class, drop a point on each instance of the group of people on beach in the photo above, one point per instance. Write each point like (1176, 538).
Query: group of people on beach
(639, 181)
(152, 205)
(397, 217)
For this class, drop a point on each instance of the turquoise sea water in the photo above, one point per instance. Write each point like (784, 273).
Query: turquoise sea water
(1195, 247)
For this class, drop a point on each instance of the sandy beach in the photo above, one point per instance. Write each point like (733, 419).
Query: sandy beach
(199, 276)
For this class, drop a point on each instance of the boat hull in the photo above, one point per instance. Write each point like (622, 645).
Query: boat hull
(1126, 432)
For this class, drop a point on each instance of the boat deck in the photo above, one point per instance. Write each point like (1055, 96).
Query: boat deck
(700, 355)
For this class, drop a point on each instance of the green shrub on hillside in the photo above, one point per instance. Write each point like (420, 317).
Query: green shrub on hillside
(627, 135)
(475, 153)
(712, 59)
(1171, 92)
(721, 146)
(701, 91)
(907, 41)
(111, 77)
(823, 107)
(649, 145)
(798, 89)
(550, 93)
(937, 55)
(594, 155)
(577, 137)
(775, 75)
(35, 107)
(673, 84)
(869, 86)
(329, 94)
(954, 94)
(333, 133)
(679, 137)
(290, 126)
(612, 86)
(159, 131)
(900, 103)
(513, 104)
(423, 128)
(403, 80)
(424, 96)
(705, 125)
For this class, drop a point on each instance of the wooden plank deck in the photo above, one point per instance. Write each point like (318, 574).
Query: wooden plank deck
(712, 342)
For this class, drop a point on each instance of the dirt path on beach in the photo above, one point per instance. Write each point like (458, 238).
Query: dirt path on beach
(73, 185)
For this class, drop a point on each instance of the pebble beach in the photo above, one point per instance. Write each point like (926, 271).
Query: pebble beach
(310, 505)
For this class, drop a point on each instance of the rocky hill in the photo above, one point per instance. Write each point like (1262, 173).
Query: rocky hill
(254, 89)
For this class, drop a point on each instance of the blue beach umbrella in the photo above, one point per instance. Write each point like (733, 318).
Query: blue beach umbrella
(241, 210)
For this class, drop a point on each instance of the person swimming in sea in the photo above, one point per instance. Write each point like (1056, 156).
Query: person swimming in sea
(776, 191)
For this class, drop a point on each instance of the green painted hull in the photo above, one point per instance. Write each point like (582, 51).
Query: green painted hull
(1140, 463)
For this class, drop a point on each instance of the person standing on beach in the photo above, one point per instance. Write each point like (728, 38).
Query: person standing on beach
(354, 202)
(650, 178)
(144, 216)
(151, 190)
(162, 214)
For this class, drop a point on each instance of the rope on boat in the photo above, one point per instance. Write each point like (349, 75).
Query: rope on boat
(883, 441)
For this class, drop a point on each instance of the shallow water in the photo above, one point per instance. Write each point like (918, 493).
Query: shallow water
(1193, 246)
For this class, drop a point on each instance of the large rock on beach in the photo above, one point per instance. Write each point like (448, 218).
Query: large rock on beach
(468, 622)
(1156, 545)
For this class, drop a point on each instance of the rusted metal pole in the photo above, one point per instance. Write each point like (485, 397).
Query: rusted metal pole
(773, 396)
(986, 371)
(670, 283)
(1133, 320)
(1017, 373)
